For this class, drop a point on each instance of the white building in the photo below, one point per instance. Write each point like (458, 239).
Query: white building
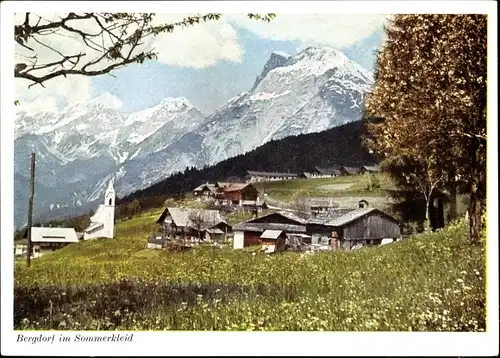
(102, 223)
(46, 239)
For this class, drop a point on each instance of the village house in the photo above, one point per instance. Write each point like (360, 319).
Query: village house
(234, 194)
(102, 223)
(206, 192)
(362, 226)
(45, 239)
(192, 224)
(237, 193)
(321, 173)
(256, 177)
(321, 205)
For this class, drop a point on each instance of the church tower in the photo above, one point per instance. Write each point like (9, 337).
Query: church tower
(109, 217)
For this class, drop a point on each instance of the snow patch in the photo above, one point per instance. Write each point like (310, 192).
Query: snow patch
(263, 96)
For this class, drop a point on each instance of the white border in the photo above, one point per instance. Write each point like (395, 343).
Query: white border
(221, 343)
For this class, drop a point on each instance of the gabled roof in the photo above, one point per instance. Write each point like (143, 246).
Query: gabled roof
(329, 216)
(210, 187)
(53, 234)
(271, 234)
(261, 227)
(354, 215)
(235, 187)
(327, 171)
(290, 216)
(351, 170)
(180, 217)
(371, 168)
(270, 174)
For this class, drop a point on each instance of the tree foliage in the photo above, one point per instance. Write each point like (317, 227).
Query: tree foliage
(199, 220)
(109, 41)
(429, 106)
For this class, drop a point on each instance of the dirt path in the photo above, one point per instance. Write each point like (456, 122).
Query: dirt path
(335, 186)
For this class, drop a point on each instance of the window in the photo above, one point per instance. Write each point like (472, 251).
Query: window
(110, 201)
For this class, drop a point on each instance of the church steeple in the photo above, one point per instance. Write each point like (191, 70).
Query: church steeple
(109, 196)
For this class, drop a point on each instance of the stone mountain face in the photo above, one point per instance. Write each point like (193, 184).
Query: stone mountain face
(82, 147)
(315, 90)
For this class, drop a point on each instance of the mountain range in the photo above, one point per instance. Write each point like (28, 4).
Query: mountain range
(79, 149)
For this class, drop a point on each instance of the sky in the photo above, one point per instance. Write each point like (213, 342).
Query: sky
(208, 63)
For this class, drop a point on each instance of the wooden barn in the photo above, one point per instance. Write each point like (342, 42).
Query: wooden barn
(250, 232)
(365, 226)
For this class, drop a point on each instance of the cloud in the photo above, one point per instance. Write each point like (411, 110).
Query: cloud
(335, 30)
(199, 46)
(58, 92)
(108, 100)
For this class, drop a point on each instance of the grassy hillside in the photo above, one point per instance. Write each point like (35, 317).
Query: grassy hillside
(342, 186)
(429, 282)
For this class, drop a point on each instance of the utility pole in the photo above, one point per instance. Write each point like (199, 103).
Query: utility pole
(30, 208)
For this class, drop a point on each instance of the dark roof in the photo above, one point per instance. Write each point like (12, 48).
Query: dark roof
(210, 187)
(354, 215)
(330, 215)
(351, 170)
(285, 214)
(261, 227)
(270, 174)
(327, 171)
(236, 187)
(371, 168)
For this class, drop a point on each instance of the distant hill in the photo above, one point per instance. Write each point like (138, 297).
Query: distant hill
(334, 147)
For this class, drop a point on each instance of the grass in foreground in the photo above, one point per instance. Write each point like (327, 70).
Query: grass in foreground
(430, 282)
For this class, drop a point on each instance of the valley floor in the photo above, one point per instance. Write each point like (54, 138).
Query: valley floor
(430, 282)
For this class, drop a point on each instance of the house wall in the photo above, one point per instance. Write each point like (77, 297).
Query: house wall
(238, 240)
(257, 179)
(251, 238)
(319, 233)
(318, 175)
(247, 193)
(371, 226)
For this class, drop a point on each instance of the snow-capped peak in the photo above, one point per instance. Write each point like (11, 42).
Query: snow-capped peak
(322, 53)
(282, 54)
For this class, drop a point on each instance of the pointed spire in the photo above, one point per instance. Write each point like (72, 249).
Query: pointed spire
(110, 186)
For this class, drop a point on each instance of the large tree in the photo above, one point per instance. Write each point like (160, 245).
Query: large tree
(429, 102)
(108, 41)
